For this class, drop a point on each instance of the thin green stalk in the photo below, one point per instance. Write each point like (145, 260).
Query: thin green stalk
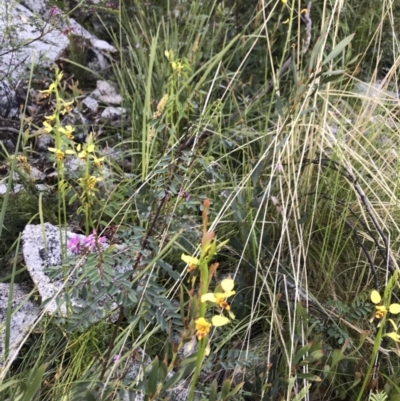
(375, 350)
(10, 304)
(146, 111)
(200, 355)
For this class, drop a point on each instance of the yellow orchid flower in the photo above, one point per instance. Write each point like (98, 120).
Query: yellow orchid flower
(89, 184)
(393, 335)
(67, 107)
(59, 153)
(67, 131)
(219, 298)
(50, 118)
(382, 310)
(202, 328)
(48, 91)
(190, 261)
(97, 161)
(83, 151)
(91, 181)
(47, 127)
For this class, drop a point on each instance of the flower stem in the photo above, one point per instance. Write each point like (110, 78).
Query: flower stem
(200, 354)
(375, 350)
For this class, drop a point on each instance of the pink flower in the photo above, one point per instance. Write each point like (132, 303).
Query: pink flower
(68, 30)
(74, 244)
(54, 11)
(90, 240)
(184, 194)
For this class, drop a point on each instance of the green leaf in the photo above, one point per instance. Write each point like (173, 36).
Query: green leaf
(316, 355)
(151, 385)
(309, 376)
(213, 391)
(331, 76)
(90, 396)
(226, 386)
(318, 46)
(188, 365)
(301, 352)
(302, 394)
(236, 389)
(3, 386)
(34, 384)
(163, 371)
(337, 357)
(338, 48)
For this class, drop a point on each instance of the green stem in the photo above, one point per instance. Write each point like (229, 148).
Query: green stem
(202, 313)
(200, 354)
(372, 361)
(203, 286)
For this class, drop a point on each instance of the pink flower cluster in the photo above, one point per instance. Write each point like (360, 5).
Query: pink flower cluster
(112, 4)
(54, 10)
(77, 244)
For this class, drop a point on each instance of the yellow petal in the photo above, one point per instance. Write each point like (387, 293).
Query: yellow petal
(227, 284)
(218, 320)
(47, 127)
(375, 297)
(393, 324)
(223, 295)
(52, 149)
(90, 148)
(393, 336)
(190, 260)
(208, 297)
(394, 308)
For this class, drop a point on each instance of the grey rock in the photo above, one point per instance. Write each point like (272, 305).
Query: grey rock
(112, 113)
(43, 247)
(32, 41)
(36, 6)
(91, 103)
(23, 315)
(15, 188)
(43, 142)
(43, 43)
(106, 93)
